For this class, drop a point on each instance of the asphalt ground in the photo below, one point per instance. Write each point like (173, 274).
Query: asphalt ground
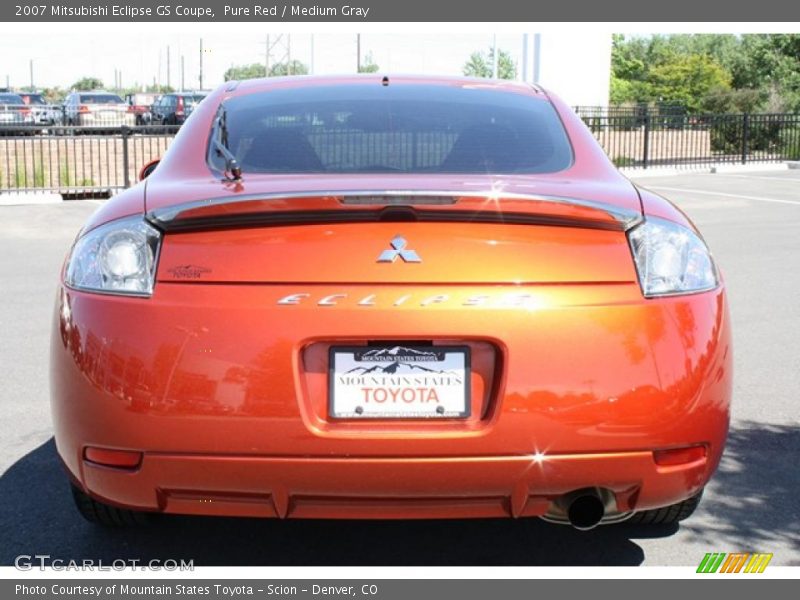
(752, 224)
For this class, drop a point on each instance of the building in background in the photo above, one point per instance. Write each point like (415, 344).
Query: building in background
(577, 68)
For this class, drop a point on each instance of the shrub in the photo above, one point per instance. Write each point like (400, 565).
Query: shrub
(623, 161)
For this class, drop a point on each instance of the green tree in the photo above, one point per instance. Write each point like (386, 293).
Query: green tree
(369, 65)
(295, 67)
(156, 88)
(252, 71)
(54, 95)
(481, 64)
(688, 80)
(763, 70)
(87, 84)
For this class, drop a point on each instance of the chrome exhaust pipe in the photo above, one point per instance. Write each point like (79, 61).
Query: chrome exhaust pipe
(585, 510)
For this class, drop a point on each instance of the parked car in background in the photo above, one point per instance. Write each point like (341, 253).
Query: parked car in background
(42, 112)
(96, 109)
(141, 104)
(174, 109)
(14, 111)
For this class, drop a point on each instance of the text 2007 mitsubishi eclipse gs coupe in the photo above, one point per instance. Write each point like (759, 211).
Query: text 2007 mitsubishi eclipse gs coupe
(389, 297)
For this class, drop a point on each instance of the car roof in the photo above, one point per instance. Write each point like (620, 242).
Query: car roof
(248, 86)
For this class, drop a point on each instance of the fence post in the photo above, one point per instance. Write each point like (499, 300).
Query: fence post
(745, 137)
(646, 143)
(125, 157)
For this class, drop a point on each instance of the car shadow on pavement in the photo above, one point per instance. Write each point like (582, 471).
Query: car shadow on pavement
(755, 495)
(760, 501)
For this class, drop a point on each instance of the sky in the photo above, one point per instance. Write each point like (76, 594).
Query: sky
(60, 58)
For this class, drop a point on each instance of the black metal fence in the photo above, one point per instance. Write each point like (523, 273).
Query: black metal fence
(100, 161)
(647, 139)
(78, 161)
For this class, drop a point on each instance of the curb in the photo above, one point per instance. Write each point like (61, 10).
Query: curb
(639, 173)
(23, 198)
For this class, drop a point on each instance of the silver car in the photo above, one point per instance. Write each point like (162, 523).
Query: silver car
(97, 109)
(14, 111)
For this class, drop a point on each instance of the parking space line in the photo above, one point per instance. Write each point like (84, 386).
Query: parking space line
(723, 195)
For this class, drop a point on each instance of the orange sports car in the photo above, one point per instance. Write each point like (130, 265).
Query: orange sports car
(389, 297)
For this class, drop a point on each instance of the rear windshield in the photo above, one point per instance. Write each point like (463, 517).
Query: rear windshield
(101, 99)
(192, 99)
(392, 129)
(34, 99)
(10, 99)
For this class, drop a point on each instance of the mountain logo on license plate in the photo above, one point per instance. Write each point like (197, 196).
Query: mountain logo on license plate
(399, 382)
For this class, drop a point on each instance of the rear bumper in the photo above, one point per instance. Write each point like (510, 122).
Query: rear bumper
(224, 391)
(90, 120)
(456, 487)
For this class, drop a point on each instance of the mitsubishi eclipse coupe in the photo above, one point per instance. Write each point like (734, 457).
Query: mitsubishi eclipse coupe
(389, 297)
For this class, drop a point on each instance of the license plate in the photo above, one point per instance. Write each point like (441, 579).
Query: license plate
(399, 382)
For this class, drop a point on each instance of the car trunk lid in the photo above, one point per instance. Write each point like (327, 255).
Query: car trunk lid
(409, 236)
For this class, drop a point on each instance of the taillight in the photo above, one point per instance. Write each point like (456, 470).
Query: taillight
(179, 109)
(83, 109)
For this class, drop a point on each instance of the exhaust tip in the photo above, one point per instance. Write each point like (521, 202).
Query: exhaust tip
(585, 512)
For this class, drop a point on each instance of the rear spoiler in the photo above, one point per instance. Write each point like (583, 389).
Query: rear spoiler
(330, 207)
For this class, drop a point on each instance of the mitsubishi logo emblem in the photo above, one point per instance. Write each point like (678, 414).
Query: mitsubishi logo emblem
(398, 245)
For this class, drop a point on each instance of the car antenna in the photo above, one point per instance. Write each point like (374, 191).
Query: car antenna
(385, 81)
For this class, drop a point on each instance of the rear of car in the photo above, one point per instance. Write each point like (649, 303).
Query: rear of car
(174, 109)
(42, 112)
(100, 109)
(186, 103)
(14, 111)
(141, 104)
(397, 299)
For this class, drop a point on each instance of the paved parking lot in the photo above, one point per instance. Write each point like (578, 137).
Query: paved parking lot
(750, 220)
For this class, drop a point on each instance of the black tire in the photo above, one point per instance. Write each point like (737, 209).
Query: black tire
(667, 515)
(103, 514)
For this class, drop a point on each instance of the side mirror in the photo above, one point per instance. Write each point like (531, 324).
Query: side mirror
(148, 169)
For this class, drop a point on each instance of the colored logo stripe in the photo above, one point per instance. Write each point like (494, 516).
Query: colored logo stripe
(758, 563)
(734, 562)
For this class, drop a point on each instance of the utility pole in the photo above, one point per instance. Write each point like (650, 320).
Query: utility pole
(31, 65)
(358, 53)
(168, 76)
(201, 63)
(494, 57)
(525, 57)
(267, 48)
(288, 53)
(183, 72)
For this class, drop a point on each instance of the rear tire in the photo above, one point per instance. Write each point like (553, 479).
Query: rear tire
(667, 515)
(106, 515)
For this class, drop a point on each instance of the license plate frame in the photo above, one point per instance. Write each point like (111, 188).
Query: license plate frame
(444, 354)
